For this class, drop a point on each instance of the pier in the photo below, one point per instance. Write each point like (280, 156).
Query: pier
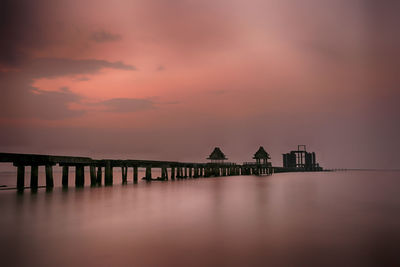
(101, 170)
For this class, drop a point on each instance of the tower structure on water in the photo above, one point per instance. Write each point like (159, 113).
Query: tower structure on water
(300, 159)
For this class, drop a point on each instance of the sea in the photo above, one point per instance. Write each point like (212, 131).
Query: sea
(342, 218)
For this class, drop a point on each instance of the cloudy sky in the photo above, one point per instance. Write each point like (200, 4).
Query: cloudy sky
(171, 79)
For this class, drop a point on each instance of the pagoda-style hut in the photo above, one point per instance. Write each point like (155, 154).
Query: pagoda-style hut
(261, 156)
(217, 156)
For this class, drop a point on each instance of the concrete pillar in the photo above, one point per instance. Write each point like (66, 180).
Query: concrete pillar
(93, 180)
(79, 175)
(190, 172)
(164, 173)
(172, 173)
(99, 176)
(20, 177)
(124, 173)
(108, 174)
(186, 172)
(65, 173)
(49, 176)
(34, 177)
(135, 174)
(148, 173)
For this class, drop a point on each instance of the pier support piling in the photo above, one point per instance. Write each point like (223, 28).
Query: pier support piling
(135, 175)
(20, 177)
(172, 173)
(108, 173)
(124, 171)
(79, 176)
(164, 174)
(34, 177)
(99, 176)
(64, 178)
(49, 177)
(148, 173)
(93, 178)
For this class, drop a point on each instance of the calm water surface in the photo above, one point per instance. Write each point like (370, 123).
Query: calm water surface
(293, 219)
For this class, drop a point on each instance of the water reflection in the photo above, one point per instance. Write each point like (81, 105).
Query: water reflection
(306, 219)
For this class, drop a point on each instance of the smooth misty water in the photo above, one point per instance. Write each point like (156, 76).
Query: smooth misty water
(292, 219)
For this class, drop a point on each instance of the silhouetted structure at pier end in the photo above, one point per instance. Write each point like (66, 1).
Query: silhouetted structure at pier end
(300, 160)
(101, 170)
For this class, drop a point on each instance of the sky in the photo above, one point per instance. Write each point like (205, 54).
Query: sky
(172, 79)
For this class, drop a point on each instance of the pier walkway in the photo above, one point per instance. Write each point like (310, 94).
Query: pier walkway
(169, 169)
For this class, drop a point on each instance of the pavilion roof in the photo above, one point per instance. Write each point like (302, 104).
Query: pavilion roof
(217, 154)
(261, 154)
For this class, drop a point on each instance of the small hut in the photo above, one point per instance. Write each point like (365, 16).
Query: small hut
(217, 156)
(261, 155)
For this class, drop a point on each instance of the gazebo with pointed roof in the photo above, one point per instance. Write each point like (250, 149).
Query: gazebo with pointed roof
(261, 154)
(217, 156)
